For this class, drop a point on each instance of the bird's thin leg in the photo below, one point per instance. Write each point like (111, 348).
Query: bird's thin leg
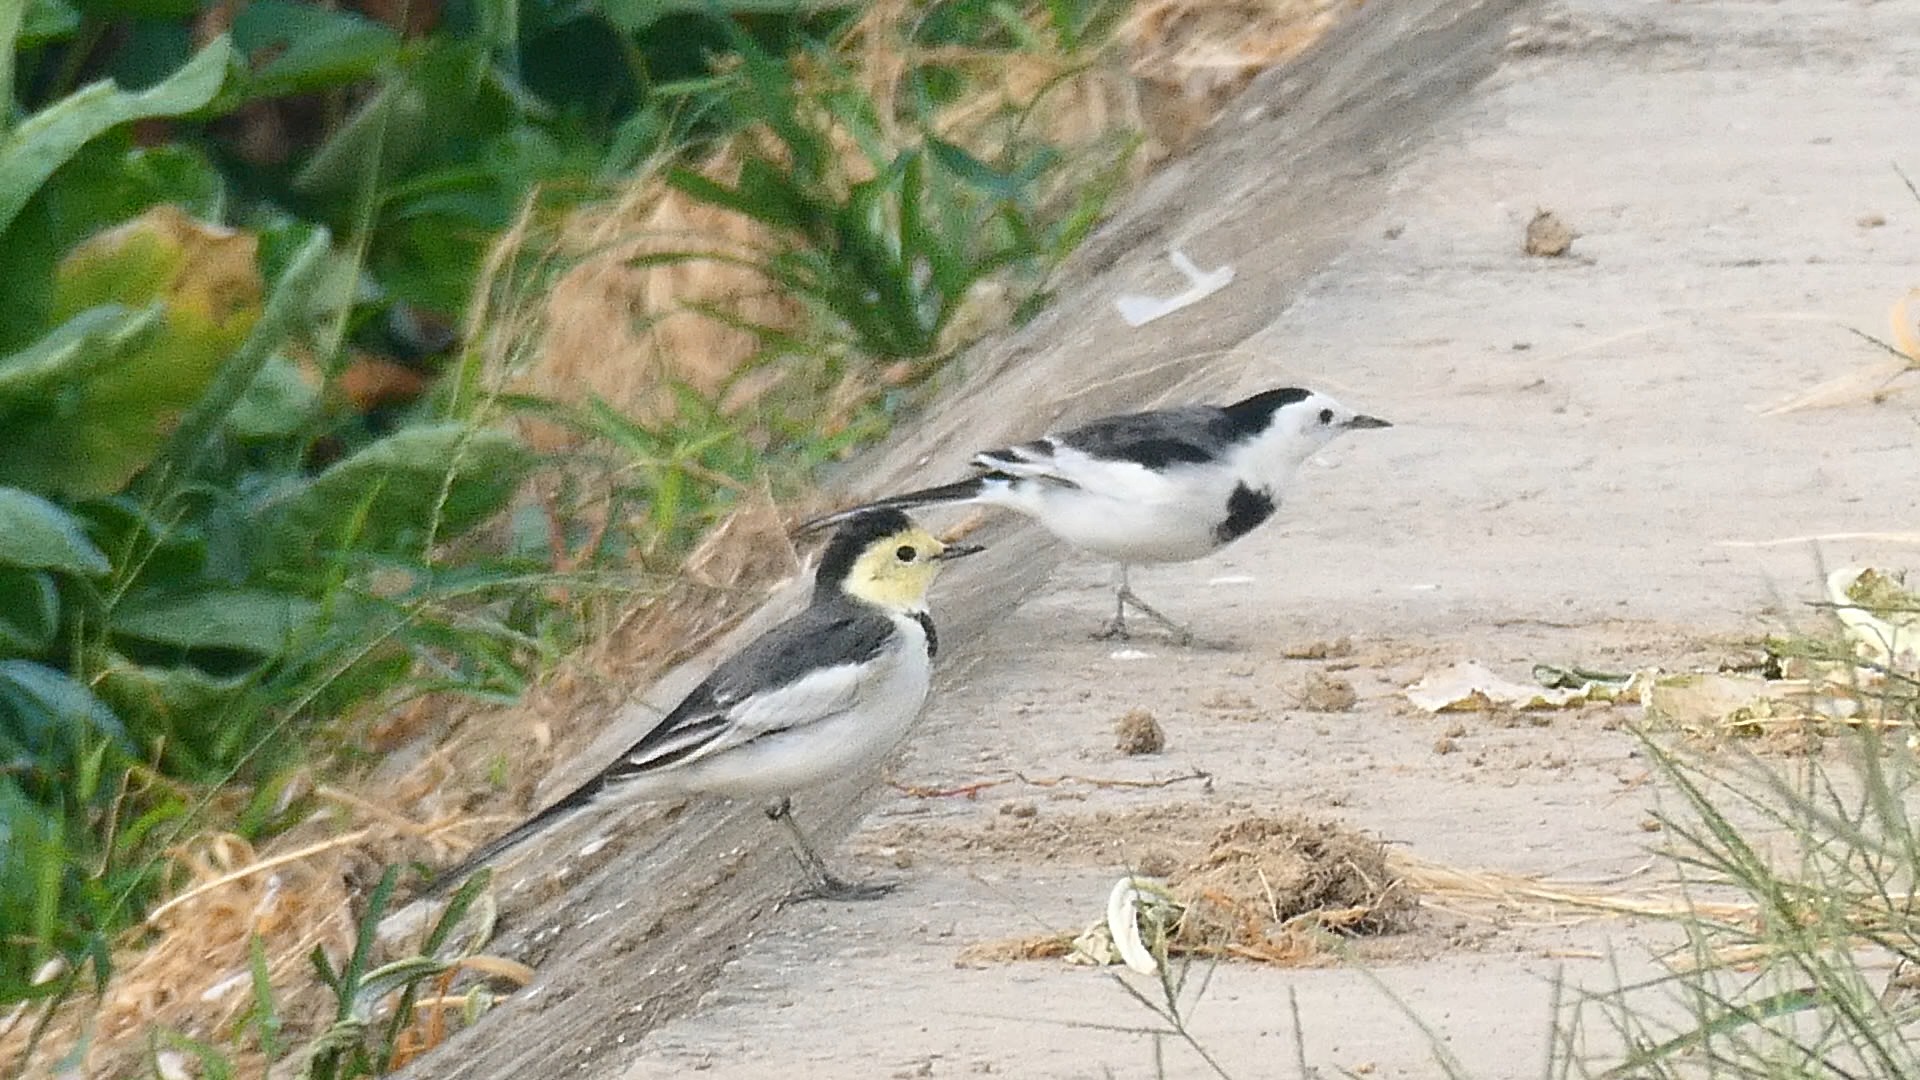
(1125, 597)
(1116, 628)
(822, 883)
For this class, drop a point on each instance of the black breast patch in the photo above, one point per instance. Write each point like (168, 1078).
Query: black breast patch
(1246, 509)
(933, 639)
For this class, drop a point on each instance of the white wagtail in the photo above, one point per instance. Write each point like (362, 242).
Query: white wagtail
(1164, 486)
(823, 694)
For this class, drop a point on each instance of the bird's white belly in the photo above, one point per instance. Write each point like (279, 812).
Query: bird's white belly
(1177, 528)
(786, 762)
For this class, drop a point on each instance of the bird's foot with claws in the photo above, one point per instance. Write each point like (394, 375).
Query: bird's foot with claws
(833, 888)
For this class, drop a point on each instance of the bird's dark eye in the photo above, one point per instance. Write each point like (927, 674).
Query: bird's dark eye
(1326, 416)
(907, 553)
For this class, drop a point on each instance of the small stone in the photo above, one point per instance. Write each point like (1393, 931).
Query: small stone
(1871, 221)
(1320, 650)
(1139, 733)
(1158, 863)
(1548, 236)
(1228, 702)
(1019, 809)
(1444, 745)
(1325, 693)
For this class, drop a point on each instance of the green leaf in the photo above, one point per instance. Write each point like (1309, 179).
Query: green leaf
(398, 975)
(432, 113)
(46, 140)
(10, 24)
(762, 195)
(266, 1012)
(277, 403)
(29, 611)
(90, 341)
(188, 712)
(38, 535)
(413, 488)
(95, 434)
(11, 19)
(241, 371)
(322, 49)
(107, 182)
(975, 172)
(49, 716)
(257, 621)
(45, 22)
(140, 9)
(157, 550)
(633, 16)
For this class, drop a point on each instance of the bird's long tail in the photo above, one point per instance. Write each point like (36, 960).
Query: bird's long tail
(960, 491)
(576, 799)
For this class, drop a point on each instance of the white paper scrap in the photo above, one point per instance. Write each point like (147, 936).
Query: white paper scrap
(1140, 310)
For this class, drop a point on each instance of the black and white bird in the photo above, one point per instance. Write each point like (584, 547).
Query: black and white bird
(1169, 485)
(823, 694)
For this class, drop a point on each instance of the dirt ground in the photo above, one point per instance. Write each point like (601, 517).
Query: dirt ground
(1578, 451)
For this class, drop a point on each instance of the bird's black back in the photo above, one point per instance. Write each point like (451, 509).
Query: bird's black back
(1190, 434)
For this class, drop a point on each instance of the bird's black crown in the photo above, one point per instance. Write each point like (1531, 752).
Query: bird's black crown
(1251, 416)
(853, 537)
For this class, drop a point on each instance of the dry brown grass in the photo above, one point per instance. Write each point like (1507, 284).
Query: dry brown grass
(626, 332)
(1205, 52)
(1871, 382)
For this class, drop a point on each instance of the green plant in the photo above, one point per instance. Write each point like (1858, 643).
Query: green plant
(357, 1043)
(1833, 931)
(883, 226)
(180, 586)
(668, 483)
(374, 1002)
(420, 139)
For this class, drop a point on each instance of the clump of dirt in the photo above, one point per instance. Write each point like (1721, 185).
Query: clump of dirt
(1327, 693)
(1548, 236)
(1139, 733)
(1265, 874)
(1336, 649)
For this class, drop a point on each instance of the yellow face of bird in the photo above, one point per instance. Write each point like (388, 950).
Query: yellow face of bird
(896, 570)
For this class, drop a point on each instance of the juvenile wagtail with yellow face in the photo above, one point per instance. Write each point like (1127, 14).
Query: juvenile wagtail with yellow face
(1170, 485)
(824, 694)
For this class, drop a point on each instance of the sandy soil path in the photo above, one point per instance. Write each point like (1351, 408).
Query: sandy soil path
(1577, 439)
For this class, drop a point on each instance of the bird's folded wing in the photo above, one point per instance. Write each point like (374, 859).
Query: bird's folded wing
(1028, 461)
(1113, 453)
(803, 672)
(1191, 435)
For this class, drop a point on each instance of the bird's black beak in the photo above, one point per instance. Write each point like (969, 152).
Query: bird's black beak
(1365, 421)
(959, 551)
